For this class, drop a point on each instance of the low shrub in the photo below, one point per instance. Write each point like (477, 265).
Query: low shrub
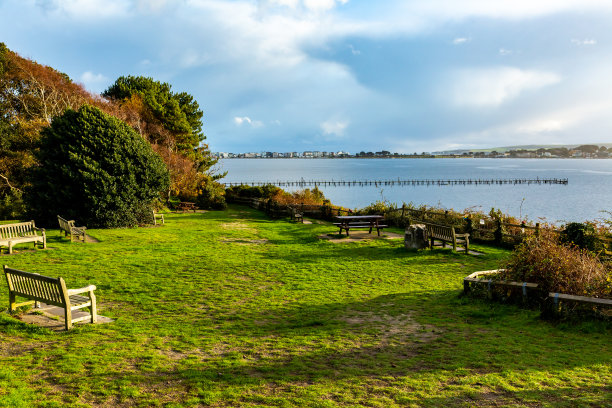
(583, 235)
(12, 206)
(558, 267)
(211, 196)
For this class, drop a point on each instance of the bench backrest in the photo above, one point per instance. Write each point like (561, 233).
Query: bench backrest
(35, 286)
(17, 230)
(440, 231)
(65, 224)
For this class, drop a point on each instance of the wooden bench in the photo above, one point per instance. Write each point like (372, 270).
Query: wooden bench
(18, 233)
(359, 225)
(52, 291)
(159, 217)
(447, 234)
(70, 229)
(296, 215)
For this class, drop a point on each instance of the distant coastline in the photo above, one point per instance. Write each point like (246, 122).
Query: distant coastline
(552, 152)
(413, 157)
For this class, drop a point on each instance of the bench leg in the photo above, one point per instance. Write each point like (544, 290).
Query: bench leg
(10, 247)
(12, 301)
(454, 246)
(94, 308)
(68, 317)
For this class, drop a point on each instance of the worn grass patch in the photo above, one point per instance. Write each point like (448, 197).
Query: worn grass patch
(231, 309)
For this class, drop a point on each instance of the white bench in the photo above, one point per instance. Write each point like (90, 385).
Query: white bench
(18, 233)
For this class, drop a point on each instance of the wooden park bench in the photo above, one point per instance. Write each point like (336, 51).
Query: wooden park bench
(159, 217)
(70, 229)
(296, 215)
(52, 291)
(446, 234)
(18, 233)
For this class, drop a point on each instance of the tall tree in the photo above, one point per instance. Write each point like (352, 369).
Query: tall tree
(96, 168)
(31, 94)
(173, 125)
(179, 114)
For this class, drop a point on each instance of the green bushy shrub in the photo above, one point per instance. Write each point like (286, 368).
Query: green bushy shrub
(582, 235)
(12, 206)
(96, 169)
(558, 267)
(212, 196)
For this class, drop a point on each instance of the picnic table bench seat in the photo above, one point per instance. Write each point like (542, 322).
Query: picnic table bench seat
(446, 234)
(52, 291)
(21, 232)
(70, 229)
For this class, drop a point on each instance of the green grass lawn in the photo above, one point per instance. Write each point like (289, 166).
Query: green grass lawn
(232, 309)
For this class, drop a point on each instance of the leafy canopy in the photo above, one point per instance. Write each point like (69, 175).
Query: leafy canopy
(178, 113)
(96, 169)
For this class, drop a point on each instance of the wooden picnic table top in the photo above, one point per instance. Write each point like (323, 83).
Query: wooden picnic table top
(359, 217)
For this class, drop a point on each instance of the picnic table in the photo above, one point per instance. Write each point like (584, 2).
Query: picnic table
(186, 206)
(347, 222)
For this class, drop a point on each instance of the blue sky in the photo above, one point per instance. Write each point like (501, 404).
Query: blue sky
(295, 75)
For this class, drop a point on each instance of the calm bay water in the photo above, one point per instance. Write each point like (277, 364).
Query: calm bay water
(588, 193)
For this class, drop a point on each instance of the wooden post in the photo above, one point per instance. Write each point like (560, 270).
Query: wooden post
(498, 234)
(469, 228)
(537, 229)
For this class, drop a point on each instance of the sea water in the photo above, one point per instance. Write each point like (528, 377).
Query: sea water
(587, 194)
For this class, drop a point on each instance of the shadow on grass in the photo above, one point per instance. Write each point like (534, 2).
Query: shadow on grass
(384, 337)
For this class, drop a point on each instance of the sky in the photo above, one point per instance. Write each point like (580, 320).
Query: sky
(294, 75)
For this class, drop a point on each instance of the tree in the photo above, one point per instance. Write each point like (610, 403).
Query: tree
(31, 94)
(588, 148)
(179, 114)
(97, 169)
(172, 122)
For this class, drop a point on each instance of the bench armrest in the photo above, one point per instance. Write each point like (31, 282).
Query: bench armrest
(89, 288)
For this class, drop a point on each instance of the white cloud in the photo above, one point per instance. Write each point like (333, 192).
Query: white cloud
(151, 5)
(586, 41)
(491, 87)
(460, 40)
(504, 52)
(87, 8)
(239, 121)
(505, 9)
(336, 128)
(94, 82)
(322, 5)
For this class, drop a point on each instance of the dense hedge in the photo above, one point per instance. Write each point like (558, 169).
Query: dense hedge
(96, 169)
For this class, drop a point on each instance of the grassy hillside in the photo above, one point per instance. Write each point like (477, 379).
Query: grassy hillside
(231, 309)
